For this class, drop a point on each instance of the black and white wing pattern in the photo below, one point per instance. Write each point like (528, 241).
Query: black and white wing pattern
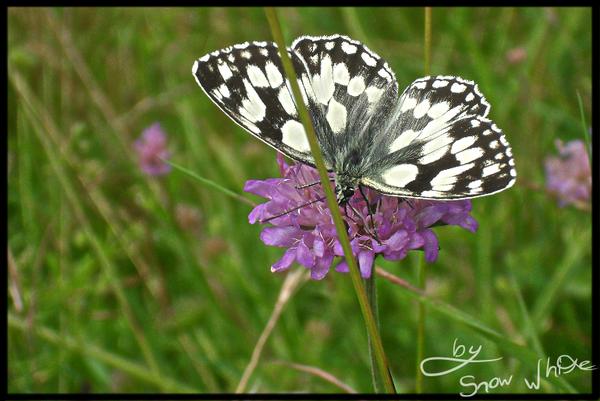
(439, 144)
(246, 81)
(343, 84)
(349, 89)
(434, 141)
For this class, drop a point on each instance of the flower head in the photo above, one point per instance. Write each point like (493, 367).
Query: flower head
(516, 55)
(394, 227)
(151, 148)
(569, 176)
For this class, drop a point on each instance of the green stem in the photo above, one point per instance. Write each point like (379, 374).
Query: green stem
(420, 265)
(359, 288)
(372, 296)
(586, 136)
(420, 325)
(427, 55)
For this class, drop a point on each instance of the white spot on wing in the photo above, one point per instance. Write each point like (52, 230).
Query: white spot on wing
(438, 109)
(329, 45)
(368, 59)
(440, 142)
(457, 88)
(408, 104)
(336, 116)
(449, 175)
(385, 74)
(421, 108)
(433, 156)
(469, 155)
(225, 71)
(348, 48)
(340, 74)
(491, 169)
(294, 136)
(399, 176)
(373, 93)
(432, 194)
(273, 74)
(443, 178)
(439, 83)
(470, 97)
(257, 77)
(462, 144)
(323, 85)
(253, 107)
(440, 123)
(475, 184)
(403, 140)
(253, 128)
(224, 90)
(286, 101)
(356, 86)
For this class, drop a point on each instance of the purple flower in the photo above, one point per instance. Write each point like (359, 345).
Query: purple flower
(151, 148)
(309, 233)
(569, 176)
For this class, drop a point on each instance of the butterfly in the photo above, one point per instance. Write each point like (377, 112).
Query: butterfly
(432, 141)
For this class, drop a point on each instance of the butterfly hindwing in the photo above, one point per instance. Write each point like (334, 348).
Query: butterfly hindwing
(440, 145)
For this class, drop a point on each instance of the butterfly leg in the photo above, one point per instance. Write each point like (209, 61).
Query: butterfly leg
(366, 227)
(370, 213)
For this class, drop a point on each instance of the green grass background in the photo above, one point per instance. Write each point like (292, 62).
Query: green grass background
(119, 282)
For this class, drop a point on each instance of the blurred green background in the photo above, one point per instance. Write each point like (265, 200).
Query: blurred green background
(121, 282)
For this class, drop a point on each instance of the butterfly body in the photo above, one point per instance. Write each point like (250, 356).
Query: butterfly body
(432, 141)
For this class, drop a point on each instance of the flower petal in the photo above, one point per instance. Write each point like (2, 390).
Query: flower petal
(321, 268)
(365, 262)
(431, 246)
(286, 260)
(304, 255)
(279, 236)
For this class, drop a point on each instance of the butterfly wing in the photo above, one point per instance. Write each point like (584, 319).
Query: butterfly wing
(438, 144)
(342, 82)
(348, 87)
(246, 81)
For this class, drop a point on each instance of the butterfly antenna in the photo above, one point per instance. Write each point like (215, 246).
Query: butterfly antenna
(291, 210)
(312, 183)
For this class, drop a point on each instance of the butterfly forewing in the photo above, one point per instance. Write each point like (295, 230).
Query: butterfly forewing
(348, 86)
(247, 82)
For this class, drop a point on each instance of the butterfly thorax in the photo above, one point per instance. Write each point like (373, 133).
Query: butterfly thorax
(345, 186)
(348, 172)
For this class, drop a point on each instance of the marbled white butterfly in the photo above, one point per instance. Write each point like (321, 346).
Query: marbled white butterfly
(433, 141)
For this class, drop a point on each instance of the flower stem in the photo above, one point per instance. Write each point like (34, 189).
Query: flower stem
(427, 55)
(420, 265)
(420, 325)
(359, 288)
(372, 296)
